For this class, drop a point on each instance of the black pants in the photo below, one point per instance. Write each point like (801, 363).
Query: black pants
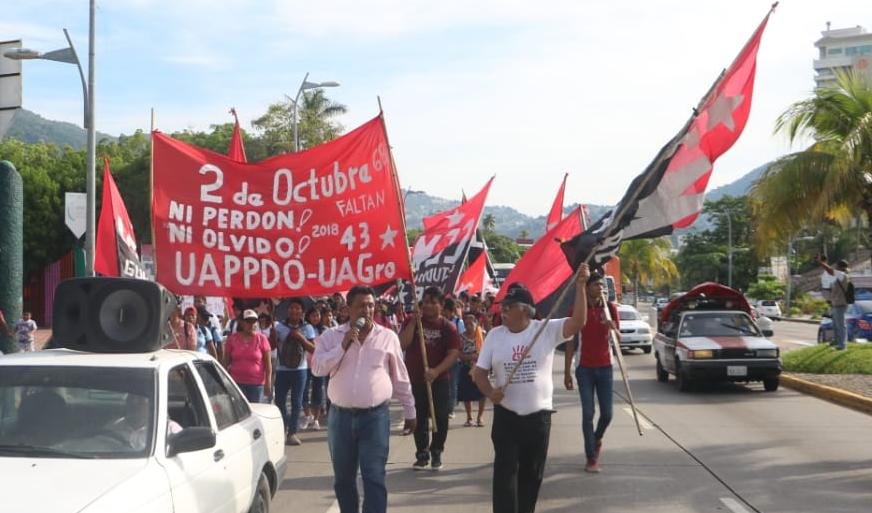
(423, 446)
(520, 450)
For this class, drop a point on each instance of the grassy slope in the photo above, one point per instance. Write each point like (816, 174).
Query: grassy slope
(822, 359)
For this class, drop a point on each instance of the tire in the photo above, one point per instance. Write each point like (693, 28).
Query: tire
(820, 338)
(770, 384)
(646, 350)
(262, 496)
(662, 375)
(681, 379)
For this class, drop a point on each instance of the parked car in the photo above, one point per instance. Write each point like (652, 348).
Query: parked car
(708, 334)
(858, 320)
(763, 322)
(635, 331)
(661, 302)
(769, 308)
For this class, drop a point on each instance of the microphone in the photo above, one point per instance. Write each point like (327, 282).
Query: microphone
(360, 323)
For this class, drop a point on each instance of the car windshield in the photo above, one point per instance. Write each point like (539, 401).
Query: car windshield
(55, 411)
(863, 307)
(629, 315)
(727, 324)
(862, 294)
(767, 303)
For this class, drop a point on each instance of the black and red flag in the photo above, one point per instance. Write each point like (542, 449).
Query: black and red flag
(439, 253)
(556, 214)
(669, 194)
(543, 269)
(115, 252)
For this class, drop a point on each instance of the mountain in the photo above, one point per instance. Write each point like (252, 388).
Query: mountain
(32, 128)
(740, 187)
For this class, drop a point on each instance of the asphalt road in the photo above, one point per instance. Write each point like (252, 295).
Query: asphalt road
(726, 448)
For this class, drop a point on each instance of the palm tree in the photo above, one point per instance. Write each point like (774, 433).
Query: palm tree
(489, 222)
(315, 122)
(647, 261)
(831, 180)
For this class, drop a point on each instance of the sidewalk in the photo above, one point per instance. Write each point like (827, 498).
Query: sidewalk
(851, 390)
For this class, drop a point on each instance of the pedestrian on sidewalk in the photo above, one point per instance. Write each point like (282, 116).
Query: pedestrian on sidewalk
(443, 348)
(25, 332)
(522, 409)
(594, 370)
(365, 365)
(838, 299)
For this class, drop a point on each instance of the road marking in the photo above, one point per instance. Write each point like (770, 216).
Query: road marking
(644, 423)
(334, 508)
(734, 505)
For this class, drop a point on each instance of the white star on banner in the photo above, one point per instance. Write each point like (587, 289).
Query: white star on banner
(388, 237)
(691, 138)
(455, 218)
(721, 111)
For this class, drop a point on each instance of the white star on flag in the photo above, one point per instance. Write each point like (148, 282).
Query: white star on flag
(388, 237)
(721, 111)
(455, 218)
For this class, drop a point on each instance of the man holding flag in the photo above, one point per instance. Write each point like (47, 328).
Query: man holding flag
(522, 407)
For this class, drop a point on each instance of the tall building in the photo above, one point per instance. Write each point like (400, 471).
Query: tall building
(842, 49)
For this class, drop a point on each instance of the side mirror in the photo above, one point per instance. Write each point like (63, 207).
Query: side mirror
(768, 333)
(189, 440)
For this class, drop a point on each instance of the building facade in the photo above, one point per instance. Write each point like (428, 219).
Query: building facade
(842, 49)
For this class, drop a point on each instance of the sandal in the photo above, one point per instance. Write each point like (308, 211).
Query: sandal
(468, 423)
(479, 423)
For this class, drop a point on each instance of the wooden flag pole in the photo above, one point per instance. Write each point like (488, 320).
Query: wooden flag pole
(614, 341)
(151, 191)
(419, 327)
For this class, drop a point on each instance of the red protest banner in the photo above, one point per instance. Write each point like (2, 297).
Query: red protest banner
(308, 223)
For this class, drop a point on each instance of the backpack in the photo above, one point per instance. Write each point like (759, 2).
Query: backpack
(291, 350)
(848, 290)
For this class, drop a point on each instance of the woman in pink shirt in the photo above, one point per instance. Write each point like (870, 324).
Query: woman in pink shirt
(184, 333)
(247, 358)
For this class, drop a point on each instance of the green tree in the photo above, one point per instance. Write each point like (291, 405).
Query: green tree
(832, 178)
(766, 288)
(502, 248)
(647, 261)
(315, 124)
(489, 222)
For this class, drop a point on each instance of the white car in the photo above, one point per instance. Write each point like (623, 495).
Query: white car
(163, 431)
(635, 331)
(769, 308)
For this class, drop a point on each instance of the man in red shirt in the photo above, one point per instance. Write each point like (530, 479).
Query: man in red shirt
(594, 371)
(443, 349)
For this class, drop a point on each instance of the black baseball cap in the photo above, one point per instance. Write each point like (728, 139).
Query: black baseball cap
(517, 293)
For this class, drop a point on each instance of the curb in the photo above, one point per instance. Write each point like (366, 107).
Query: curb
(828, 393)
(802, 321)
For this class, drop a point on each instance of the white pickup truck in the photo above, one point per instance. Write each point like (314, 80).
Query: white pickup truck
(708, 334)
(162, 431)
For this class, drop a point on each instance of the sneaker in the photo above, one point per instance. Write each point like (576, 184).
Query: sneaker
(592, 466)
(598, 449)
(303, 424)
(421, 463)
(315, 426)
(451, 415)
(293, 439)
(436, 461)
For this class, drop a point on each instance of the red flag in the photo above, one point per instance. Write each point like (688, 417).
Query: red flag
(475, 279)
(236, 150)
(669, 194)
(556, 213)
(439, 252)
(115, 252)
(307, 223)
(543, 269)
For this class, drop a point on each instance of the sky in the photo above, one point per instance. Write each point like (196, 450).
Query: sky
(526, 91)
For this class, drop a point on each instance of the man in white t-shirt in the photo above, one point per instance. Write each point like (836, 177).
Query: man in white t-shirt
(522, 408)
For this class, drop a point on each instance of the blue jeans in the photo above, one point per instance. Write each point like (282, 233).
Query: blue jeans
(293, 382)
(254, 393)
(454, 374)
(590, 380)
(358, 438)
(839, 329)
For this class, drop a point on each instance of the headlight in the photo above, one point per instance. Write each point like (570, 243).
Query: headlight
(643, 330)
(700, 354)
(767, 353)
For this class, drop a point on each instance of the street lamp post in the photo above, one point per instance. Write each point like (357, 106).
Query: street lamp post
(304, 86)
(729, 250)
(69, 56)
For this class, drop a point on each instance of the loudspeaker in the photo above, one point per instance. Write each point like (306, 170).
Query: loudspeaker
(112, 315)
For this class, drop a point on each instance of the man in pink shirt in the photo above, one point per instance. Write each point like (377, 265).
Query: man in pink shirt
(365, 365)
